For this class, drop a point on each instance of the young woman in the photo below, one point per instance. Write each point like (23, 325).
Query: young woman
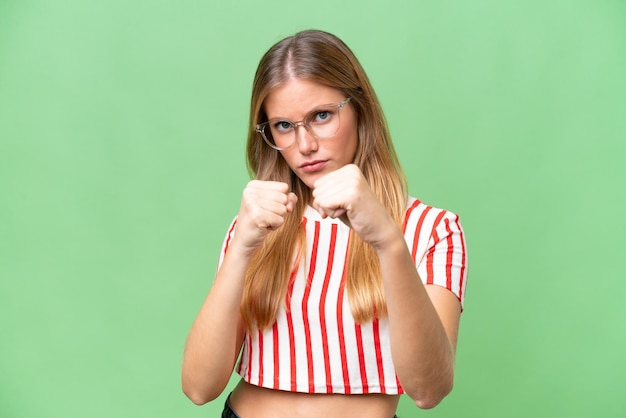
(336, 291)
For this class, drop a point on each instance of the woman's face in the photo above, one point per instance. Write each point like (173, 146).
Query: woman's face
(311, 158)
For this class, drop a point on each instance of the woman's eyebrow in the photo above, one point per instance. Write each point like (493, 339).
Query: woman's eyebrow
(313, 109)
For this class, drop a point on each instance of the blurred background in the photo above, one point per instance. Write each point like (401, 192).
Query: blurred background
(122, 129)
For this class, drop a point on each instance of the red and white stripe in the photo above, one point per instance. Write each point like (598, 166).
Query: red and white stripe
(437, 244)
(315, 346)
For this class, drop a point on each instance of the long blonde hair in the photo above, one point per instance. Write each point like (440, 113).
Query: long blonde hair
(321, 57)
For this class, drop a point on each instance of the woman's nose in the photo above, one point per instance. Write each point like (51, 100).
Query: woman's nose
(306, 142)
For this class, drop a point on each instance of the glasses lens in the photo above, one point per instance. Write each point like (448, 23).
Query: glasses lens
(279, 133)
(324, 122)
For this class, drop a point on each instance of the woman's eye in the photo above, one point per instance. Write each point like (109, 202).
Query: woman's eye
(282, 126)
(322, 116)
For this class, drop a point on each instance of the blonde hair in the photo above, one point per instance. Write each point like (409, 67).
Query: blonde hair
(323, 58)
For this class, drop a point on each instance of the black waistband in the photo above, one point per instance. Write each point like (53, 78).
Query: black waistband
(228, 411)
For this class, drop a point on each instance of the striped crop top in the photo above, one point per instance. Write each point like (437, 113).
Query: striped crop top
(316, 346)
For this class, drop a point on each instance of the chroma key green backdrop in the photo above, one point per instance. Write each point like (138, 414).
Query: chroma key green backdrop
(122, 127)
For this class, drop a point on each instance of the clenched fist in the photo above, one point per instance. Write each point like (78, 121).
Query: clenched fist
(345, 194)
(264, 206)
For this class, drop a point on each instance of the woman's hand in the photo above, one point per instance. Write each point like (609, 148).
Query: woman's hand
(345, 194)
(264, 205)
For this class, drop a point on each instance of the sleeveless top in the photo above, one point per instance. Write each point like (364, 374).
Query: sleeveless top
(315, 346)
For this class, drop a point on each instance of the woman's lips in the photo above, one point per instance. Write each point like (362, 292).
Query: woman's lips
(313, 166)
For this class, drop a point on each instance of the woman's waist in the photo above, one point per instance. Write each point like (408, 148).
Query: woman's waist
(250, 401)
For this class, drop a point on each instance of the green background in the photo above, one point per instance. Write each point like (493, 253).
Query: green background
(122, 127)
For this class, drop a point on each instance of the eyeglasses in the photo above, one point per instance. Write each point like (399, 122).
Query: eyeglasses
(322, 123)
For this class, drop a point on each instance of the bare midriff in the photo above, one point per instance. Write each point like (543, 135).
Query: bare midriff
(250, 401)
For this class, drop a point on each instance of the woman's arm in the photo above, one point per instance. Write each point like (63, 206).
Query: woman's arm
(423, 320)
(216, 336)
(423, 326)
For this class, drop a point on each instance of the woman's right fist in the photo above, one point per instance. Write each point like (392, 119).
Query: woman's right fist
(264, 205)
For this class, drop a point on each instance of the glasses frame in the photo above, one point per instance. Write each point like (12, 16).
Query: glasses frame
(260, 128)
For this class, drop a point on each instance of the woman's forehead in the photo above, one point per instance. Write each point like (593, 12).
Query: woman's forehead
(296, 97)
